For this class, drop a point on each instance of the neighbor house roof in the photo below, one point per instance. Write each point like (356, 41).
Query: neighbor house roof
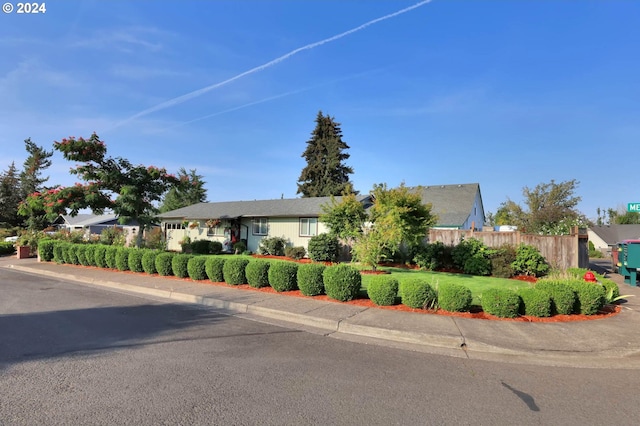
(451, 203)
(612, 234)
(289, 207)
(84, 219)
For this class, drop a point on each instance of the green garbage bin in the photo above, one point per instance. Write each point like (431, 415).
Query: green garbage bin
(629, 261)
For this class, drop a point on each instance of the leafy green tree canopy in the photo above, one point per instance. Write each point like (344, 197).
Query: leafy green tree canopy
(345, 218)
(9, 196)
(39, 159)
(110, 183)
(325, 173)
(191, 191)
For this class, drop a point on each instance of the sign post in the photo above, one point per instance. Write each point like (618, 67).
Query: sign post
(633, 207)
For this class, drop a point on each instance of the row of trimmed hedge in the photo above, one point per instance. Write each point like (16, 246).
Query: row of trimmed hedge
(341, 282)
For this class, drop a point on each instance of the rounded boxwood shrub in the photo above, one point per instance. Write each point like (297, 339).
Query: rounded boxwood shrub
(70, 254)
(122, 259)
(257, 272)
(99, 254)
(383, 290)
(149, 261)
(590, 297)
(201, 246)
(135, 260)
(58, 252)
(418, 294)
(282, 276)
(45, 249)
(501, 302)
(163, 263)
(563, 298)
(309, 278)
(342, 282)
(195, 268)
(90, 254)
(454, 297)
(323, 248)
(233, 271)
(529, 261)
(215, 247)
(535, 302)
(81, 251)
(213, 267)
(179, 265)
(110, 256)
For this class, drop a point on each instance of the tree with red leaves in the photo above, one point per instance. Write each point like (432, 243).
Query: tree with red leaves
(110, 183)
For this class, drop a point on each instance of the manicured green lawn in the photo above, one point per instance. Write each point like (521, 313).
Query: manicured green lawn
(476, 284)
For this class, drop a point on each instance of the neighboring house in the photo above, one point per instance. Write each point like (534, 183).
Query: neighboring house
(93, 224)
(456, 206)
(294, 219)
(605, 236)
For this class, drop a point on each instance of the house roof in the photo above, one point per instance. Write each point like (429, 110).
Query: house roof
(451, 203)
(613, 234)
(289, 207)
(86, 219)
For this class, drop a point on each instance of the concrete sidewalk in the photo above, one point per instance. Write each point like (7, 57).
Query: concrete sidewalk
(604, 343)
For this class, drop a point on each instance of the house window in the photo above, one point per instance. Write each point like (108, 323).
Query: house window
(260, 226)
(175, 226)
(308, 226)
(215, 230)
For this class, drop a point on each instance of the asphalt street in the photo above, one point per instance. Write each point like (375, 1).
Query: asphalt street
(73, 354)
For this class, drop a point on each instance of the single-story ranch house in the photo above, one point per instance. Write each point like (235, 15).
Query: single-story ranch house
(296, 219)
(604, 237)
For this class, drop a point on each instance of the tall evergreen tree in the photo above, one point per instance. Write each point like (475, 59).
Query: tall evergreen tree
(31, 181)
(192, 191)
(10, 196)
(39, 159)
(325, 173)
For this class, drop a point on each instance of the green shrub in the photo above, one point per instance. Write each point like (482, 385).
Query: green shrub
(563, 298)
(323, 248)
(201, 246)
(99, 256)
(113, 236)
(110, 256)
(529, 261)
(7, 247)
(590, 297)
(501, 260)
(81, 251)
(501, 302)
(71, 254)
(233, 271)
(273, 246)
(454, 297)
(45, 250)
(430, 256)
(465, 250)
(179, 265)
(383, 290)
(90, 254)
(58, 252)
(135, 260)
(478, 264)
(309, 278)
(418, 294)
(196, 268)
(215, 247)
(282, 276)
(163, 263)
(295, 252)
(122, 258)
(342, 282)
(239, 247)
(257, 272)
(213, 267)
(535, 302)
(149, 261)
(611, 289)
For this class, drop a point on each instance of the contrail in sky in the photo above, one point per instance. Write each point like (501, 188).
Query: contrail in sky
(199, 92)
(273, 98)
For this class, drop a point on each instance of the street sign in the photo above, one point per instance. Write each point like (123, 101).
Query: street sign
(633, 207)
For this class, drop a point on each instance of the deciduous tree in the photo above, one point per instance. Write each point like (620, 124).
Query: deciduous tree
(110, 183)
(325, 173)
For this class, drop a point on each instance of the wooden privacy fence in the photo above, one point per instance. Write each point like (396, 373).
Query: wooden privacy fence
(561, 251)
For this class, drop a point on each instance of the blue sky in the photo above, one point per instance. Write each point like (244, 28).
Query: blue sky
(504, 93)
